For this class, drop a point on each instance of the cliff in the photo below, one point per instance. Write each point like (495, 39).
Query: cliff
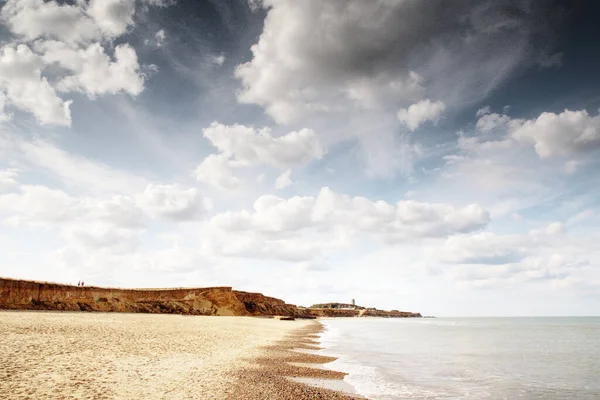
(259, 304)
(31, 295)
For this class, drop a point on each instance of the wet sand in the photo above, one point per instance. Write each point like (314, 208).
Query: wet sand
(286, 371)
(63, 355)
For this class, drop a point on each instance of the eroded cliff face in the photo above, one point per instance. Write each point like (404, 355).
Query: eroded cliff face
(30, 295)
(259, 304)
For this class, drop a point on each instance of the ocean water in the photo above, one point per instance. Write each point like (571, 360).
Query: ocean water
(467, 358)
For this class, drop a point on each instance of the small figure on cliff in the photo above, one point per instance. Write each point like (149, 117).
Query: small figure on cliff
(81, 283)
(78, 283)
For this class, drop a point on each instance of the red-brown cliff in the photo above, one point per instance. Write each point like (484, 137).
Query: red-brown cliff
(31, 295)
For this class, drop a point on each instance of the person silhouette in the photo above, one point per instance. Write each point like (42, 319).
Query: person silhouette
(78, 283)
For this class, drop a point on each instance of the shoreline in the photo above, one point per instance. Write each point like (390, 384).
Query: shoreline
(129, 356)
(109, 356)
(279, 374)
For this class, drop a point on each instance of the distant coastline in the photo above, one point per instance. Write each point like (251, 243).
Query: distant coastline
(16, 294)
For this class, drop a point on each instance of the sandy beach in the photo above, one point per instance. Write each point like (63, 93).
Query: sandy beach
(134, 356)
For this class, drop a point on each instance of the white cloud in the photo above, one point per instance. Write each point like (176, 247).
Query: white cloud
(383, 54)
(21, 79)
(82, 22)
(553, 229)
(95, 236)
(7, 178)
(62, 47)
(37, 205)
(97, 227)
(249, 146)
(173, 202)
(309, 228)
(243, 146)
(35, 19)
(160, 37)
(418, 113)
(560, 134)
(490, 121)
(119, 211)
(284, 180)
(219, 60)
(290, 76)
(216, 170)
(329, 211)
(112, 16)
(488, 260)
(92, 71)
(485, 248)
(566, 134)
(483, 111)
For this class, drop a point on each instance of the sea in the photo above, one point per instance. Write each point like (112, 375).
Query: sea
(467, 358)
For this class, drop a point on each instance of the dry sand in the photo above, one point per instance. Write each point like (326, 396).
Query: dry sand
(62, 355)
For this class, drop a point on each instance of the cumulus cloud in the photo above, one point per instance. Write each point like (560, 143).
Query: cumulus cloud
(418, 113)
(284, 180)
(113, 17)
(62, 47)
(249, 146)
(94, 227)
(309, 228)
(92, 71)
(119, 211)
(243, 146)
(25, 88)
(487, 122)
(173, 202)
(81, 22)
(565, 134)
(316, 56)
(560, 134)
(37, 205)
(216, 170)
(330, 210)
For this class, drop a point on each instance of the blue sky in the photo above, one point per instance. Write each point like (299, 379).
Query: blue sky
(411, 155)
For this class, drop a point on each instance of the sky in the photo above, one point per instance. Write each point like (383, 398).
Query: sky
(431, 156)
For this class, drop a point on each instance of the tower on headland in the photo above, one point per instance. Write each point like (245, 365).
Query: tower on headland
(353, 302)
